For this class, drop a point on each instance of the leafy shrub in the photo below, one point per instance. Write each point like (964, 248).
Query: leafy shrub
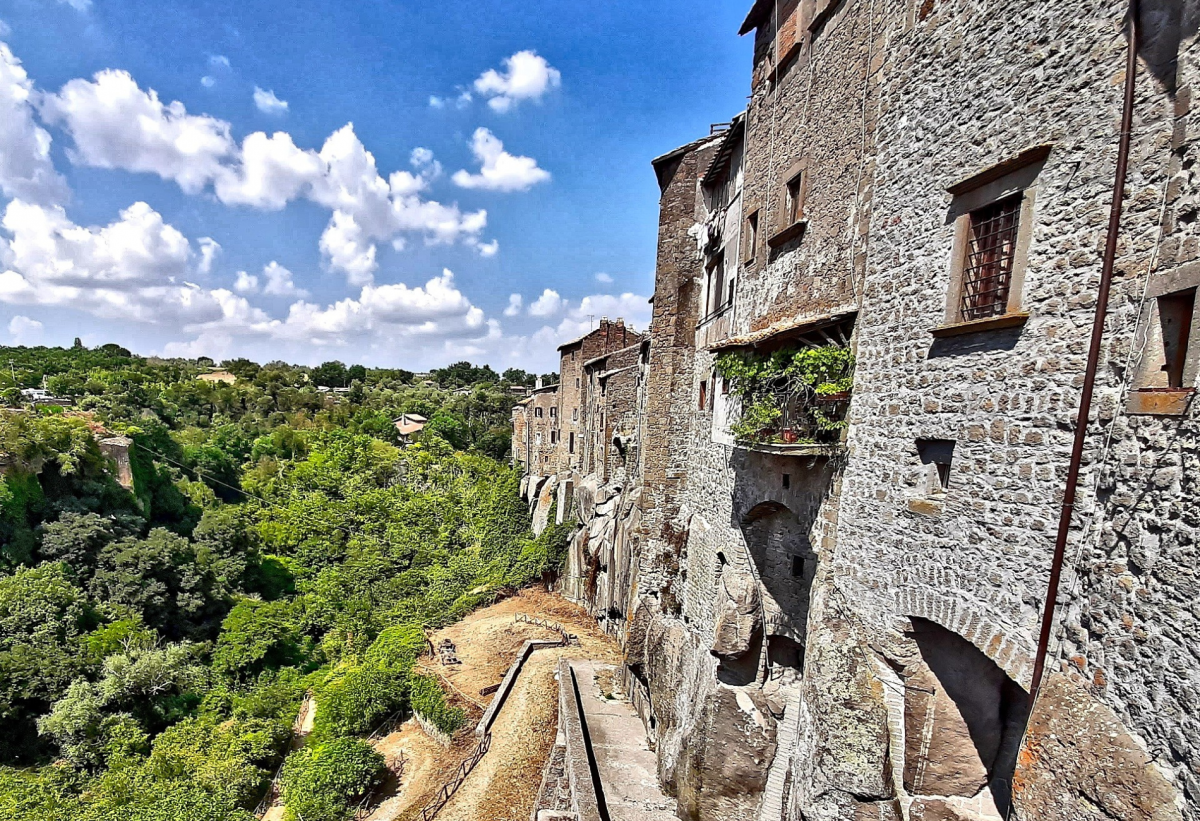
(429, 700)
(358, 700)
(323, 782)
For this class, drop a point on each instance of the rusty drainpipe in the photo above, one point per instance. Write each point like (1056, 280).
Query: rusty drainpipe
(1089, 379)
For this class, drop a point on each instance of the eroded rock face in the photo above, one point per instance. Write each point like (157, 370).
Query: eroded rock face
(841, 765)
(739, 616)
(1079, 763)
(730, 749)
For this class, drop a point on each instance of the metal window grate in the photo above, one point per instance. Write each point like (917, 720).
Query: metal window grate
(987, 274)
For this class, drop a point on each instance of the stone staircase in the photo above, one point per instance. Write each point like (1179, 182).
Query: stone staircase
(771, 808)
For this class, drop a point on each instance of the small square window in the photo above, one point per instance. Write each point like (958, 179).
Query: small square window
(724, 386)
(553, 412)
(797, 567)
(537, 412)
(574, 414)
(787, 481)
(938, 455)
(703, 394)
(990, 254)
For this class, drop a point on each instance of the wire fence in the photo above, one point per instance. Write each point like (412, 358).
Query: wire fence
(447, 791)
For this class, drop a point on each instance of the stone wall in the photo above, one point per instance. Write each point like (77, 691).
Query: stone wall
(849, 631)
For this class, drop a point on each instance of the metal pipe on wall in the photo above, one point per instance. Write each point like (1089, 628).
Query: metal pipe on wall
(1093, 361)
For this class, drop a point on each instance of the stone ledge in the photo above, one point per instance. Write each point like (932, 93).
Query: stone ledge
(794, 450)
(788, 234)
(1160, 401)
(992, 323)
(925, 507)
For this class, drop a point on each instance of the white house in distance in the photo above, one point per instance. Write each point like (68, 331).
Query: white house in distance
(409, 425)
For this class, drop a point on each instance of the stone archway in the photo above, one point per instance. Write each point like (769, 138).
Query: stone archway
(963, 718)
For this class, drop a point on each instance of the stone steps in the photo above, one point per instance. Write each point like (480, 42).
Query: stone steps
(771, 808)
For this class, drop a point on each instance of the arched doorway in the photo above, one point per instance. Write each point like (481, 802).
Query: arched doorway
(785, 566)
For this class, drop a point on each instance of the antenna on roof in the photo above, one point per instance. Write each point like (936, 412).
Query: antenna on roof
(591, 322)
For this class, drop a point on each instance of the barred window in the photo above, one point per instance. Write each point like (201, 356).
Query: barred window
(988, 268)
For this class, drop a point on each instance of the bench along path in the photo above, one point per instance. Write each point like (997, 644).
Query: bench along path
(626, 765)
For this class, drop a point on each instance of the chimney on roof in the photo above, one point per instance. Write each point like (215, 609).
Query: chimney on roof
(537, 386)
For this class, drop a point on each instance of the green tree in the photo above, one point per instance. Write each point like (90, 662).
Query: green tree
(258, 636)
(330, 375)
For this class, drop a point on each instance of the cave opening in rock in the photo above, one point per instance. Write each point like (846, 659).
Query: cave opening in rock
(963, 722)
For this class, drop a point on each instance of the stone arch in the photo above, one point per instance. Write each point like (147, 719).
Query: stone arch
(963, 719)
(1009, 649)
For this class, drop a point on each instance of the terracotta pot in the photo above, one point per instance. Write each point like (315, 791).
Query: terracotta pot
(789, 436)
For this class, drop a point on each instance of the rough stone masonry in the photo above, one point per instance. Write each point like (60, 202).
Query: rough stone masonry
(846, 629)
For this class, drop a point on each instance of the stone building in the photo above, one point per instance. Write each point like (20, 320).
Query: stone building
(830, 599)
(536, 431)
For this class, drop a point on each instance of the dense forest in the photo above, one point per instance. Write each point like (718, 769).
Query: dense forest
(156, 641)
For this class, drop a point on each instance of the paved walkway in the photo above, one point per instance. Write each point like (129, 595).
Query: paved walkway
(628, 767)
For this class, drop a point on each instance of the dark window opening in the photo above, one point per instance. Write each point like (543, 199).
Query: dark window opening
(1175, 313)
(572, 443)
(720, 292)
(537, 412)
(785, 652)
(724, 387)
(703, 394)
(797, 567)
(939, 455)
(943, 472)
(750, 246)
(991, 252)
(794, 208)
(787, 481)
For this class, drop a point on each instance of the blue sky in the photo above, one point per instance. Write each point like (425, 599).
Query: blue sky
(181, 178)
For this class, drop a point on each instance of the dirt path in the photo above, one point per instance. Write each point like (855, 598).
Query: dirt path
(503, 787)
(300, 729)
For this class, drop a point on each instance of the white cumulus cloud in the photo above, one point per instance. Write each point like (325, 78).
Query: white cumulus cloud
(499, 170)
(548, 304)
(525, 76)
(209, 248)
(135, 269)
(115, 124)
(604, 278)
(26, 170)
(279, 281)
(515, 303)
(245, 283)
(268, 103)
(25, 331)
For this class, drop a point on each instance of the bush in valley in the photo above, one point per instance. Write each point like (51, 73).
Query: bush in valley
(323, 782)
(429, 699)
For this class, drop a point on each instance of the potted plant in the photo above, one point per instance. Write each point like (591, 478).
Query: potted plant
(802, 379)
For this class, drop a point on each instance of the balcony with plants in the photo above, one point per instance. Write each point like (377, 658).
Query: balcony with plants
(791, 400)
